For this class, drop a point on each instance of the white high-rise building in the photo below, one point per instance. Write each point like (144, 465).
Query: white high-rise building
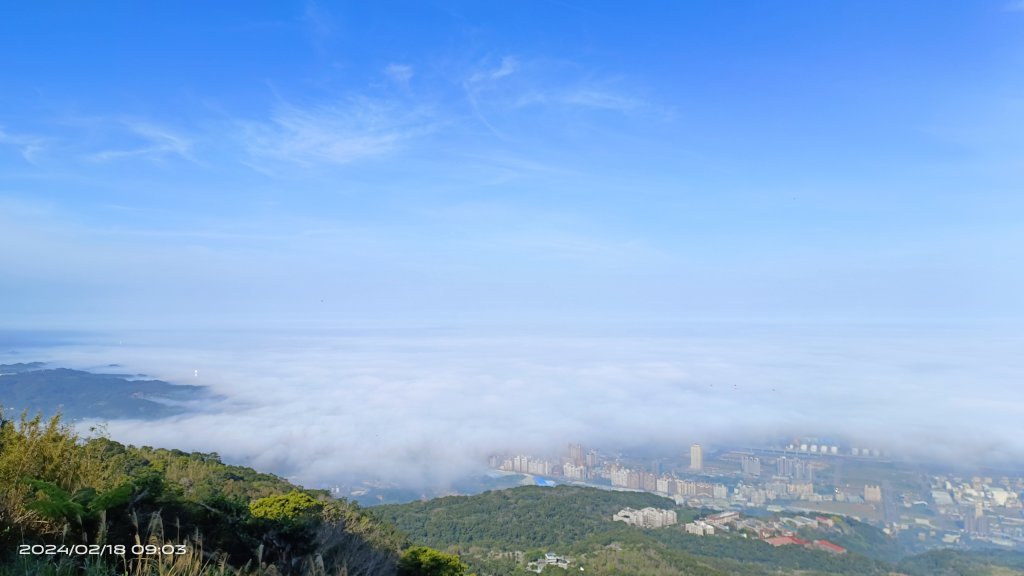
(646, 518)
(696, 458)
(662, 485)
(750, 465)
(573, 472)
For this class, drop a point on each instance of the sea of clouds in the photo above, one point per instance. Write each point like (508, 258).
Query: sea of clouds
(422, 408)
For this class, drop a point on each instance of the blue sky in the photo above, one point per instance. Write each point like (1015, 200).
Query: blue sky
(312, 164)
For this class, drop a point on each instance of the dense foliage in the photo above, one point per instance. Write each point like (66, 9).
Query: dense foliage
(204, 516)
(498, 533)
(528, 517)
(955, 563)
(423, 561)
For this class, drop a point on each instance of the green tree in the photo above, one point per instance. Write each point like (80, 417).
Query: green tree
(291, 507)
(424, 561)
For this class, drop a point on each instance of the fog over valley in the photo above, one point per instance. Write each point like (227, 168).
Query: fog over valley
(427, 407)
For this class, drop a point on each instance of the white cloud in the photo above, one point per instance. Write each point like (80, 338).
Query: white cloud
(494, 92)
(601, 100)
(318, 20)
(482, 80)
(424, 409)
(144, 139)
(332, 134)
(582, 97)
(29, 146)
(1015, 6)
(509, 65)
(400, 74)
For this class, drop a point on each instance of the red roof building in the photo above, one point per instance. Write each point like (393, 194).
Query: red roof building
(828, 547)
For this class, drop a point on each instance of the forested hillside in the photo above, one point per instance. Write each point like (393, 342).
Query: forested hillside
(74, 506)
(528, 517)
(500, 532)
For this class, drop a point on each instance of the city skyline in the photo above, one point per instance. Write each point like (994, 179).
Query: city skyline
(951, 508)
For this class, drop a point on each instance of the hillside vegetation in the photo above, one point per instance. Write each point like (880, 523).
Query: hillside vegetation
(75, 506)
(498, 533)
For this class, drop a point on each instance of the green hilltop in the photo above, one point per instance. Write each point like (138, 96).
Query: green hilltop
(95, 507)
(500, 532)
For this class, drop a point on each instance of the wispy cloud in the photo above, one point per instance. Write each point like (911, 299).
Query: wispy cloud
(493, 91)
(484, 79)
(318, 20)
(29, 146)
(509, 65)
(582, 97)
(1014, 6)
(400, 74)
(603, 100)
(144, 139)
(333, 134)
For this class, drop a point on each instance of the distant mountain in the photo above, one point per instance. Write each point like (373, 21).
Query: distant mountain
(78, 394)
(20, 367)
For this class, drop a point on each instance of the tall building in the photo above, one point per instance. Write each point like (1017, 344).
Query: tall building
(872, 493)
(538, 467)
(750, 465)
(794, 469)
(619, 476)
(696, 458)
(647, 517)
(574, 472)
(662, 485)
(576, 454)
(976, 523)
(520, 463)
